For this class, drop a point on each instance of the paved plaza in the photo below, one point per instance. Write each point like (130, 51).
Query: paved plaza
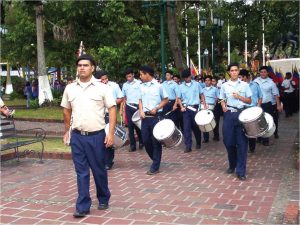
(191, 188)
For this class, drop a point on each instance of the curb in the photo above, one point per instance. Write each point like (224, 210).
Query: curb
(39, 120)
(46, 155)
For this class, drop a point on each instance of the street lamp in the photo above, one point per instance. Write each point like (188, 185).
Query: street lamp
(216, 24)
(205, 53)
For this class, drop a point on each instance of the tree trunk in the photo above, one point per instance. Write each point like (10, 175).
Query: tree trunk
(8, 88)
(173, 38)
(44, 86)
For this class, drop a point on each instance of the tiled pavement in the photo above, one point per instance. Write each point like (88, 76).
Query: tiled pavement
(192, 188)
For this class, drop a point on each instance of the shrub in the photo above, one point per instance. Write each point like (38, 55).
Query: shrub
(34, 103)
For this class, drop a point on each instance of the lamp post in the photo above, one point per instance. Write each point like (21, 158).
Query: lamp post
(216, 24)
(205, 53)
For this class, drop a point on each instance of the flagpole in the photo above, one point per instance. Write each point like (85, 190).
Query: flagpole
(186, 37)
(228, 43)
(263, 39)
(246, 43)
(199, 42)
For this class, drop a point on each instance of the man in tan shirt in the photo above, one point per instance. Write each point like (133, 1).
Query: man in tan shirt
(84, 101)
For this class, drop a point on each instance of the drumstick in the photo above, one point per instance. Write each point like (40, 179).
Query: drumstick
(226, 98)
(168, 112)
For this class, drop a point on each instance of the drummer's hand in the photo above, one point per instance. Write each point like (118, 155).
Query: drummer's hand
(154, 111)
(109, 140)
(279, 108)
(183, 109)
(174, 107)
(235, 95)
(142, 114)
(66, 138)
(205, 106)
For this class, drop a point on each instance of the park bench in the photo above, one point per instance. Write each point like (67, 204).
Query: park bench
(12, 139)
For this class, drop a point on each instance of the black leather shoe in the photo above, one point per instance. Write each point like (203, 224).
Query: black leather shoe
(229, 171)
(251, 150)
(131, 150)
(276, 136)
(198, 146)
(265, 143)
(187, 149)
(141, 146)
(242, 178)
(109, 167)
(152, 172)
(103, 206)
(77, 214)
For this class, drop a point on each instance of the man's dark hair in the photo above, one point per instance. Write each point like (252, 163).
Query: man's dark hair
(288, 75)
(86, 57)
(170, 72)
(208, 76)
(231, 65)
(147, 69)
(177, 76)
(185, 73)
(244, 73)
(263, 68)
(100, 74)
(128, 71)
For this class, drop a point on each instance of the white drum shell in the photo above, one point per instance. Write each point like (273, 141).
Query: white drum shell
(271, 126)
(205, 120)
(172, 136)
(254, 122)
(136, 119)
(120, 135)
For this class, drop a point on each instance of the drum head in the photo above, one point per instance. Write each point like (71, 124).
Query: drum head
(163, 129)
(250, 114)
(270, 120)
(204, 117)
(136, 116)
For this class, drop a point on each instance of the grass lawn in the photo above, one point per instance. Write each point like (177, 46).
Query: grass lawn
(51, 145)
(15, 102)
(40, 113)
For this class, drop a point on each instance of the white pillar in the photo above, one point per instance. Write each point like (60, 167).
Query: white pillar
(263, 40)
(199, 42)
(186, 37)
(228, 43)
(246, 44)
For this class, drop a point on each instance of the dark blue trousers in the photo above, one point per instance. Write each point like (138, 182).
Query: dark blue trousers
(131, 127)
(89, 152)
(236, 142)
(172, 115)
(190, 125)
(153, 147)
(109, 152)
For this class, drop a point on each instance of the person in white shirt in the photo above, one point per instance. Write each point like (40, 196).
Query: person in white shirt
(288, 97)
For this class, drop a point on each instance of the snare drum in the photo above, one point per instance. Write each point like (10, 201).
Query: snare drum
(254, 122)
(167, 133)
(136, 119)
(210, 107)
(120, 135)
(271, 126)
(205, 120)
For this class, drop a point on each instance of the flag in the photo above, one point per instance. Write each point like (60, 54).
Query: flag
(272, 75)
(279, 76)
(296, 76)
(193, 69)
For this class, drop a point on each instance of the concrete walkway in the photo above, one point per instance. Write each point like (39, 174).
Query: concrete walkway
(192, 188)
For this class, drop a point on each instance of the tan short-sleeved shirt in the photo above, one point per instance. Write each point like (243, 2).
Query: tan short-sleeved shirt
(88, 103)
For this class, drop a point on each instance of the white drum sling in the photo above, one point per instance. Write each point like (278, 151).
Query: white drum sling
(167, 133)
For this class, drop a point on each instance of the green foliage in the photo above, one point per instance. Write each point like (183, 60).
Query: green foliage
(15, 95)
(18, 86)
(57, 93)
(34, 103)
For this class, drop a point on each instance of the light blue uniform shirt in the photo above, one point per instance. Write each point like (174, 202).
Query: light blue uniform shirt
(239, 87)
(273, 96)
(268, 89)
(131, 90)
(190, 93)
(117, 93)
(211, 95)
(152, 93)
(202, 84)
(256, 93)
(171, 88)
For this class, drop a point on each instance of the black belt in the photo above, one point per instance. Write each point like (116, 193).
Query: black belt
(194, 106)
(86, 133)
